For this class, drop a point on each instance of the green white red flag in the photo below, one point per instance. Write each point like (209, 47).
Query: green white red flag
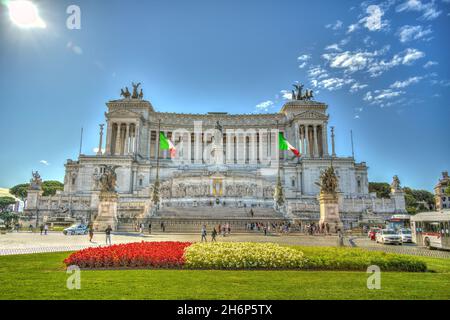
(166, 144)
(285, 145)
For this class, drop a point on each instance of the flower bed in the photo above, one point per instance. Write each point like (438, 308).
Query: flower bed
(131, 255)
(242, 255)
(330, 258)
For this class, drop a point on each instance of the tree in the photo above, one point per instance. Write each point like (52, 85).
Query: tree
(5, 202)
(9, 217)
(382, 189)
(447, 190)
(20, 191)
(50, 187)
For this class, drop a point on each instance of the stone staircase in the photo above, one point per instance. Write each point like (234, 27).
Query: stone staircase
(191, 219)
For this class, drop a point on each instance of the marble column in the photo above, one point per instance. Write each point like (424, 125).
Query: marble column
(325, 138)
(333, 154)
(297, 136)
(316, 145)
(118, 138)
(100, 143)
(127, 139)
(308, 141)
(137, 136)
(108, 137)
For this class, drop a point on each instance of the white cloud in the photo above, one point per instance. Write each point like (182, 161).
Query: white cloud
(357, 86)
(303, 59)
(332, 84)
(351, 28)
(335, 26)
(44, 162)
(429, 10)
(374, 21)
(406, 83)
(334, 47)
(95, 150)
(286, 95)
(408, 33)
(317, 72)
(352, 61)
(406, 57)
(378, 97)
(429, 64)
(264, 106)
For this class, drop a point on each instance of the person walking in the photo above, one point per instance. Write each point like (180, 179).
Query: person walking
(213, 235)
(150, 228)
(204, 234)
(327, 226)
(251, 213)
(265, 230)
(45, 229)
(108, 234)
(41, 227)
(91, 232)
(340, 238)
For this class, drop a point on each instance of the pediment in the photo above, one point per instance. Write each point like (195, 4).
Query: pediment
(123, 114)
(311, 114)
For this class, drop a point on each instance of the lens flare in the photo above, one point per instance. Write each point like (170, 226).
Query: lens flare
(25, 14)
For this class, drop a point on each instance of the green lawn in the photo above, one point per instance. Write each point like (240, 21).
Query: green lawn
(42, 276)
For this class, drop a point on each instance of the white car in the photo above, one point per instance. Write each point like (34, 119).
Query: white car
(388, 236)
(406, 235)
(76, 229)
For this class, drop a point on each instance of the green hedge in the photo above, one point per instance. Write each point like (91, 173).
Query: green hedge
(356, 259)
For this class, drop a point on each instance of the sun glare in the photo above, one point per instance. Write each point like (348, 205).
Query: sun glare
(25, 14)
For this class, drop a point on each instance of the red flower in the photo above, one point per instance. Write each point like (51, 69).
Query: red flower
(131, 255)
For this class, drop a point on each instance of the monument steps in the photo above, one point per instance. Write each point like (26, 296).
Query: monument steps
(191, 219)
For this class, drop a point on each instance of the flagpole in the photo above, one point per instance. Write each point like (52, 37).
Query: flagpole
(155, 197)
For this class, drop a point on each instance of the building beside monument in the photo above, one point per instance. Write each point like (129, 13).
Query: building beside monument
(442, 199)
(225, 164)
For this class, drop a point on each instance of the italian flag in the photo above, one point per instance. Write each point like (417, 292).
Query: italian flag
(166, 144)
(285, 145)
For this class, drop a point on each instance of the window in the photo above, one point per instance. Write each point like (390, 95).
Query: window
(140, 182)
(293, 182)
(73, 181)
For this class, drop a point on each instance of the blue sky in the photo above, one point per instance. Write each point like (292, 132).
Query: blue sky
(381, 66)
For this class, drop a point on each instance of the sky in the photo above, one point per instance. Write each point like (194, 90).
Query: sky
(381, 66)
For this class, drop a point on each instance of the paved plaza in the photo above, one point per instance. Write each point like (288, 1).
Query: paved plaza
(27, 242)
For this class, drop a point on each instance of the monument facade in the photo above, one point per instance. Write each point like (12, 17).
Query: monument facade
(223, 161)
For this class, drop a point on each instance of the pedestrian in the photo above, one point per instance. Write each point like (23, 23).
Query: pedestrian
(251, 213)
(141, 229)
(30, 228)
(213, 235)
(45, 229)
(150, 228)
(327, 226)
(91, 232)
(108, 234)
(265, 230)
(204, 233)
(41, 227)
(163, 227)
(340, 238)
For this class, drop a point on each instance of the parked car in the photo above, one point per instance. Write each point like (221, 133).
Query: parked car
(405, 234)
(388, 236)
(76, 229)
(373, 233)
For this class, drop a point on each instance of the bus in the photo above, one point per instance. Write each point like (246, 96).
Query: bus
(398, 221)
(431, 229)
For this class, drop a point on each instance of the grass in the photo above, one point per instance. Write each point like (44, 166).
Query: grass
(42, 276)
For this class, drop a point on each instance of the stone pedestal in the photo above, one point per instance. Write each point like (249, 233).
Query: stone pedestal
(329, 211)
(107, 211)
